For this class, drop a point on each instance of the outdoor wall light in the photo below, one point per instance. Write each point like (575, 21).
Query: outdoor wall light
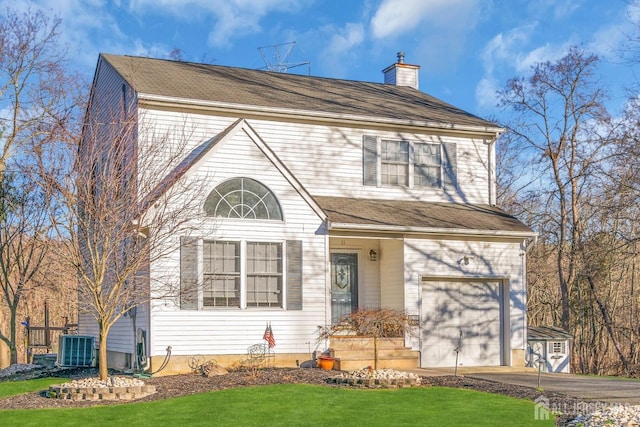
(373, 255)
(464, 260)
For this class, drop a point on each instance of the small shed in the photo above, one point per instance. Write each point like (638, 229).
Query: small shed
(549, 345)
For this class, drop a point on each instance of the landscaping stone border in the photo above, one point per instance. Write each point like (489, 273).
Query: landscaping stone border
(374, 382)
(101, 393)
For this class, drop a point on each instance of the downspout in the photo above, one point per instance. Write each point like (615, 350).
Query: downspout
(491, 170)
(327, 275)
(527, 244)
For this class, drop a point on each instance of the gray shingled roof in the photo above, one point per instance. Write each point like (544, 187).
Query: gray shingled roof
(264, 89)
(543, 333)
(419, 215)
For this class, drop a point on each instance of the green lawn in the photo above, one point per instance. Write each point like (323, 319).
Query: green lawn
(9, 388)
(301, 405)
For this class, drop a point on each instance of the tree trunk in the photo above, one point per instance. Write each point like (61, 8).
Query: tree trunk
(608, 325)
(103, 371)
(13, 350)
(375, 353)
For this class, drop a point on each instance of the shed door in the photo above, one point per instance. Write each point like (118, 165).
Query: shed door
(557, 356)
(462, 315)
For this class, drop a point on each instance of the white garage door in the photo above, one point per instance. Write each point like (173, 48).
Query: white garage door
(463, 315)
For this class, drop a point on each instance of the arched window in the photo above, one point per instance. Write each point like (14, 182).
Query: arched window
(242, 198)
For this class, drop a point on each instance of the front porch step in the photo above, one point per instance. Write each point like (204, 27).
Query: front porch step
(348, 342)
(383, 353)
(356, 352)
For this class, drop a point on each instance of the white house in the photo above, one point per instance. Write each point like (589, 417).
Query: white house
(321, 196)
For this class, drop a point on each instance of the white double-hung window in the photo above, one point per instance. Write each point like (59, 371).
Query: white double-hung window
(225, 273)
(394, 162)
(412, 164)
(223, 264)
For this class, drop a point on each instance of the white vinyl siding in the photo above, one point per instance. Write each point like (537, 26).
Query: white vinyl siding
(231, 330)
(307, 149)
(391, 274)
(103, 125)
(122, 336)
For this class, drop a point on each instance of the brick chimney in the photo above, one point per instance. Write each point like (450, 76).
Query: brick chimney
(401, 74)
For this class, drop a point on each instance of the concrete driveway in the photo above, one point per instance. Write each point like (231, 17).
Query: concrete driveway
(586, 388)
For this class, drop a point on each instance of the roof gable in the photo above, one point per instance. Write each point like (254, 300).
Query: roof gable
(206, 149)
(269, 90)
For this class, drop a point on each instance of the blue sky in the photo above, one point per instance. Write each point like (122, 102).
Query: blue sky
(466, 48)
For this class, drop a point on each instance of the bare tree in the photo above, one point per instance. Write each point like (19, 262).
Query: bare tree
(583, 182)
(24, 229)
(127, 201)
(558, 118)
(39, 102)
(34, 86)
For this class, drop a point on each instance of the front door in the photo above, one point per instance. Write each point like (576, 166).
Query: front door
(344, 285)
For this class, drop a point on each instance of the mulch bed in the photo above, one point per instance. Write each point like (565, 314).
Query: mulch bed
(181, 385)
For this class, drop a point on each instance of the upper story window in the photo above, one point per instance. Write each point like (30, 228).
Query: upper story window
(243, 198)
(394, 162)
(409, 164)
(427, 171)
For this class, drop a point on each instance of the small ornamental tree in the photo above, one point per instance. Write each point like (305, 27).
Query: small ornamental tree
(125, 204)
(372, 322)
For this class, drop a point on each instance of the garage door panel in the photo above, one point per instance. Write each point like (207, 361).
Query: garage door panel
(484, 355)
(441, 315)
(484, 326)
(471, 308)
(438, 354)
(448, 333)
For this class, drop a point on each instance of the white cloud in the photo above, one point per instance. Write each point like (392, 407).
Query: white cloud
(609, 41)
(345, 39)
(340, 49)
(555, 9)
(232, 18)
(93, 26)
(396, 17)
(83, 24)
(506, 55)
(502, 47)
(486, 93)
(507, 51)
(433, 33)
(526, 60)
